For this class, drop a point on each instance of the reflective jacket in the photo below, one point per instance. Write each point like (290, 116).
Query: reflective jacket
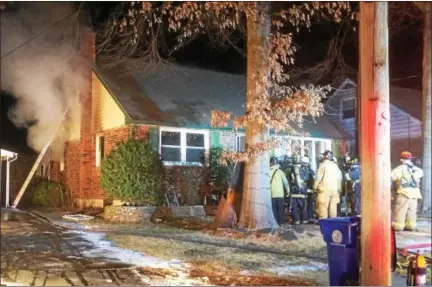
(328, 177)
(407, 179)
(278, 182)
(353, 177)
(302, 180)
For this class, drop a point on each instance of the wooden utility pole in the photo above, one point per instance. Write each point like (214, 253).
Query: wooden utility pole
(375, 145)
(426, 8)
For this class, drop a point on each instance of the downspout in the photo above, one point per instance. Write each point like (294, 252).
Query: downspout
(7, 178)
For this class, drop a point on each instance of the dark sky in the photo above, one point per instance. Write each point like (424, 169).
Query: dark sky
(405, 59)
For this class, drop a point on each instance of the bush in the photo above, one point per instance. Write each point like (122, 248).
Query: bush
(48, 194)
(220, 175)
(134, 172)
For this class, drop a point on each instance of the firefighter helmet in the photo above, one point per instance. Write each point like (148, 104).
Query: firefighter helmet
(354, 162)
(273, 160)
(328, 155)
(406, 155)
(347, 159)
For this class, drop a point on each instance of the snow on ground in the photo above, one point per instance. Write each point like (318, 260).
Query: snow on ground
(102, 248)
(287, 268)
(105, 249)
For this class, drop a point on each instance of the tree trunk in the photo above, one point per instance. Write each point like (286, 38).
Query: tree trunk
(427, 91)
(375, 145)
(256, 209)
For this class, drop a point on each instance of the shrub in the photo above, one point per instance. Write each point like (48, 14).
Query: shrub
(48, 194)
(134, 172)
(220, 175)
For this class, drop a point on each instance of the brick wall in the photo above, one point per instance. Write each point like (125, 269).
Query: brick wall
(112, 138)
(228, 140)
(55, 175)
(87, 155)
(185, 181)
(71, 173)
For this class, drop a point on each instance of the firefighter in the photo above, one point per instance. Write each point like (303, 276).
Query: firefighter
(352, 178)
(298, 194)
(327, 184)
(347, 184)
(303, 182)
(279, 189)
(407, 178)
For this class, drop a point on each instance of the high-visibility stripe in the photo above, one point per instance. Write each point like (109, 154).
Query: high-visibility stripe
(298, 195)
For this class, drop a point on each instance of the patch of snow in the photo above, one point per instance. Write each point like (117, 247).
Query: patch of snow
(290, 269)
(78, 217)
(102, 248)
(7, 283)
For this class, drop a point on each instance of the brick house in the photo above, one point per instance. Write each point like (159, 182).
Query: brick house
(405, 112)
(170, 106)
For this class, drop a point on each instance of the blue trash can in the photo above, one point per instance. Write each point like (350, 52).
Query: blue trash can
(341, 235)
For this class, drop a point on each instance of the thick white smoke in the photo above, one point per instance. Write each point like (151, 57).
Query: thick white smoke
(43, 74)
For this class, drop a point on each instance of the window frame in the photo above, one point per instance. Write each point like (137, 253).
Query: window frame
(99, 156)
(237, 142)
(343, 101)
(183, 144)
(62, 165)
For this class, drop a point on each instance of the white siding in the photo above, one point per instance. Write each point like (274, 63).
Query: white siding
(402, 124)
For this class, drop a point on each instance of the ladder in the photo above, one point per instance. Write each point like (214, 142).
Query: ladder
(36, 165)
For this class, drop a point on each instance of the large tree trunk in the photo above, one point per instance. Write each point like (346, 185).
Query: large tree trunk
(375, 145)
(256, 209)
(427, 91)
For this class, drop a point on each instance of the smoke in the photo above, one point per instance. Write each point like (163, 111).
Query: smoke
(44, 73)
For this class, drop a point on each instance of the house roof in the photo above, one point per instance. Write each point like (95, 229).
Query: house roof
(174, 95)
(405, 99)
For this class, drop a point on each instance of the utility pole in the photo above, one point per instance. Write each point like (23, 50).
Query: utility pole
(426, 8)
(375, 145)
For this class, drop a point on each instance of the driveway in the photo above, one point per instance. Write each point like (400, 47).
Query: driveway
(34, 252)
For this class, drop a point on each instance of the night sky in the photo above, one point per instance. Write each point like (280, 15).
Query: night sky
(405, 60)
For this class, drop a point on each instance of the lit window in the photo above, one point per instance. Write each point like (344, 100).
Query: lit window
(348, 108)
(183, 145)
(62, 164)
(100, 150)
(240, 142)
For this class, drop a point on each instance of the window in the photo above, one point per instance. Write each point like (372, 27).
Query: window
(348, 108)
(41, 171)
(183, 145)
(240, 142)
(100, 150)
(62, 164)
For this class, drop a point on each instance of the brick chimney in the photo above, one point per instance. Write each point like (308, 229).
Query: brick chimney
(87, 148)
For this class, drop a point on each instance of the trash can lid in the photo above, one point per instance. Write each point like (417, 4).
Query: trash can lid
(348, 219)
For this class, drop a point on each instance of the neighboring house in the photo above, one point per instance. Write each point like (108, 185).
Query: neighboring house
(405, 116)
(170, 106)
(19, 169)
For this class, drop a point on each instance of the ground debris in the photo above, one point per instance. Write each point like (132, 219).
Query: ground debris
(234, 277)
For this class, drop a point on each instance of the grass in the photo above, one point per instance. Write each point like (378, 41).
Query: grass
(309, 242)
(193, 252)
(205, 257)
(213, 261)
